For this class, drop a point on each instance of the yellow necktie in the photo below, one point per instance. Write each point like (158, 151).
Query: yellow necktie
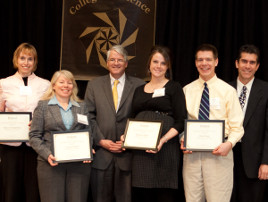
(115, 94)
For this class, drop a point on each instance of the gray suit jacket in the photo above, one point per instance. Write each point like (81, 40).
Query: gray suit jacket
(107, 124)
(47, 118)
(255, 140)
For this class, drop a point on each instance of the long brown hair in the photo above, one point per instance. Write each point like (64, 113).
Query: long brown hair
(165, 52)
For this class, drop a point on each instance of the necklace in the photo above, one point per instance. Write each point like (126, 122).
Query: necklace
(150, 87)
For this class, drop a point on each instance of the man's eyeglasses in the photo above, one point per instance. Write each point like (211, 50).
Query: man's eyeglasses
(113, 60)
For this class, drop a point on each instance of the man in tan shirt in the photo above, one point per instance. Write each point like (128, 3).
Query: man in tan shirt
(209, 175)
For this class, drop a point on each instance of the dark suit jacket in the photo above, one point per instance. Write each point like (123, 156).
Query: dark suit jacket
(254, 143)
(107, 124)
(47, 118)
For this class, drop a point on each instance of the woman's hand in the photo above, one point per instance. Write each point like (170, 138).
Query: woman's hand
(51, 160)
(159, 146)
(29, 124)
(93, 152)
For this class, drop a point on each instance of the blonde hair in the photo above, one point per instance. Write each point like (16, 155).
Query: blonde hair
(68, 75)
(27, 49)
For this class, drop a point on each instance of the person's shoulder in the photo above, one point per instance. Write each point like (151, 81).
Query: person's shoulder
(9, 82)
(99, 79)
(42, 103)
(261, 82)
(42, 80)
(9, 78)
(232, 83)
(190, 85)
(82, 103)
(224, 84)
(135, 79)
(173, 84)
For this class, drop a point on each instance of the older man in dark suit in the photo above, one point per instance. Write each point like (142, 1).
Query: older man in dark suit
(110, 98)
(251, 154)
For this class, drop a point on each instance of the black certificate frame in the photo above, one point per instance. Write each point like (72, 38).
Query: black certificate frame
(204, 124)
(88, 145)
(11, 116)
(127, 144)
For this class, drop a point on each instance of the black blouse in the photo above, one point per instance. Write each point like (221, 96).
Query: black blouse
(172, 103)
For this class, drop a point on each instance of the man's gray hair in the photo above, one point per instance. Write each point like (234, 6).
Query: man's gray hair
(119, 49)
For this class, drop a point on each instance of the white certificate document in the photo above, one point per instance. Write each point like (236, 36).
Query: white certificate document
(203, 135)
(14, 126)
(143, 135)
(71, 146)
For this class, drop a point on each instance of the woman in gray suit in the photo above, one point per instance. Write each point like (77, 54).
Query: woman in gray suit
(59, 110)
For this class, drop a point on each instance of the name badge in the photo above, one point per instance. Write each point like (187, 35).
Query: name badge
(26, 90)
(159, 92)
(82, 119)
(215, 103)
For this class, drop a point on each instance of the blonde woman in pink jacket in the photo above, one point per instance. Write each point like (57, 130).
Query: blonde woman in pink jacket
(20, 93)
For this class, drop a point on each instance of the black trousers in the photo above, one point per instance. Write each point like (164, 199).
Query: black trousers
(156, 195)
(18, 178)
(245, 189)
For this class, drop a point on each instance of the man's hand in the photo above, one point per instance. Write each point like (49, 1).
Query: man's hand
(263, 172)
(114, 147)
(184, 149)
(223, 149)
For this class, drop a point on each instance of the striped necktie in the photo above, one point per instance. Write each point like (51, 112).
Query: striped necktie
(243, 96)
(204, 104)
(115, 94)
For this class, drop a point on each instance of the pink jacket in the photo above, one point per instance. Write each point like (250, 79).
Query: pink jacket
(12, 100)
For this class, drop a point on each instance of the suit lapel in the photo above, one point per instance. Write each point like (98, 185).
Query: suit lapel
(253, 100)
(75, 111)
(108, 91)
(55, 111)
(126, 92)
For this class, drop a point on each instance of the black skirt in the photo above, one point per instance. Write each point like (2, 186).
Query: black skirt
(160, 170)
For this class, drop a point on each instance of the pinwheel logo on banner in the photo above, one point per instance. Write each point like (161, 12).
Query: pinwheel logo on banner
(102, 38)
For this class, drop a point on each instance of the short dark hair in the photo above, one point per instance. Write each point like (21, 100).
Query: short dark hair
(207, 47)
(249, 48)
(166, 53)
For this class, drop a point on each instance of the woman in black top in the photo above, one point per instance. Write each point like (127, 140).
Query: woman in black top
(155, 174)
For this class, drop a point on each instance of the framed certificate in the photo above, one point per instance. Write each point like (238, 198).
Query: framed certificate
(200, 135)
(72, 146)
(14, 126)
(142, 135)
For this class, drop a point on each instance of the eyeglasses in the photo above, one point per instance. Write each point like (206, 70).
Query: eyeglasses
(113, 60)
